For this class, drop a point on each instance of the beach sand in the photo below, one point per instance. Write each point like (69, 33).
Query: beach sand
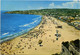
(28, 44)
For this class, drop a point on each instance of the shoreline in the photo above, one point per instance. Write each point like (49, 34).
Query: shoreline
(11, 37)
(45, 31)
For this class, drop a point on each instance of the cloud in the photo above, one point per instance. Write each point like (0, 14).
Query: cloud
(68, 4)
(72, 5)
(75, 0)
(41, 8)
(51, 5)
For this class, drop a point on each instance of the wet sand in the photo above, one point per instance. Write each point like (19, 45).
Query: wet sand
(28, 44)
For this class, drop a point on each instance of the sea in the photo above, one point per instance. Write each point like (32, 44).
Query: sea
(13, 25)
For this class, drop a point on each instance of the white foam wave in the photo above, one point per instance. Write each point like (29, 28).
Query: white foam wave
(28, 24)
(31, 23)
(5, 33)
(36, 18)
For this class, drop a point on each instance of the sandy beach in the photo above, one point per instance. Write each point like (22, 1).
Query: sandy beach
(28, 44)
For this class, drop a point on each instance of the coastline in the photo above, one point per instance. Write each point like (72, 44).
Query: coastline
(45, 31)
(11, 37)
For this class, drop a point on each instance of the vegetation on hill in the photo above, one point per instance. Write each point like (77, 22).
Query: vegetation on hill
(51, 12)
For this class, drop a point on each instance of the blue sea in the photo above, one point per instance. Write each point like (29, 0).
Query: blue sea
(13, 25)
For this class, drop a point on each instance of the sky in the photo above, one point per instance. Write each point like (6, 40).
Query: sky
(12, 5)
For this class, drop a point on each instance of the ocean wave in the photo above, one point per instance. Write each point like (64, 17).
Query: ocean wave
(24, 25)
(28, 24)
(5, 33)
(37, 18)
